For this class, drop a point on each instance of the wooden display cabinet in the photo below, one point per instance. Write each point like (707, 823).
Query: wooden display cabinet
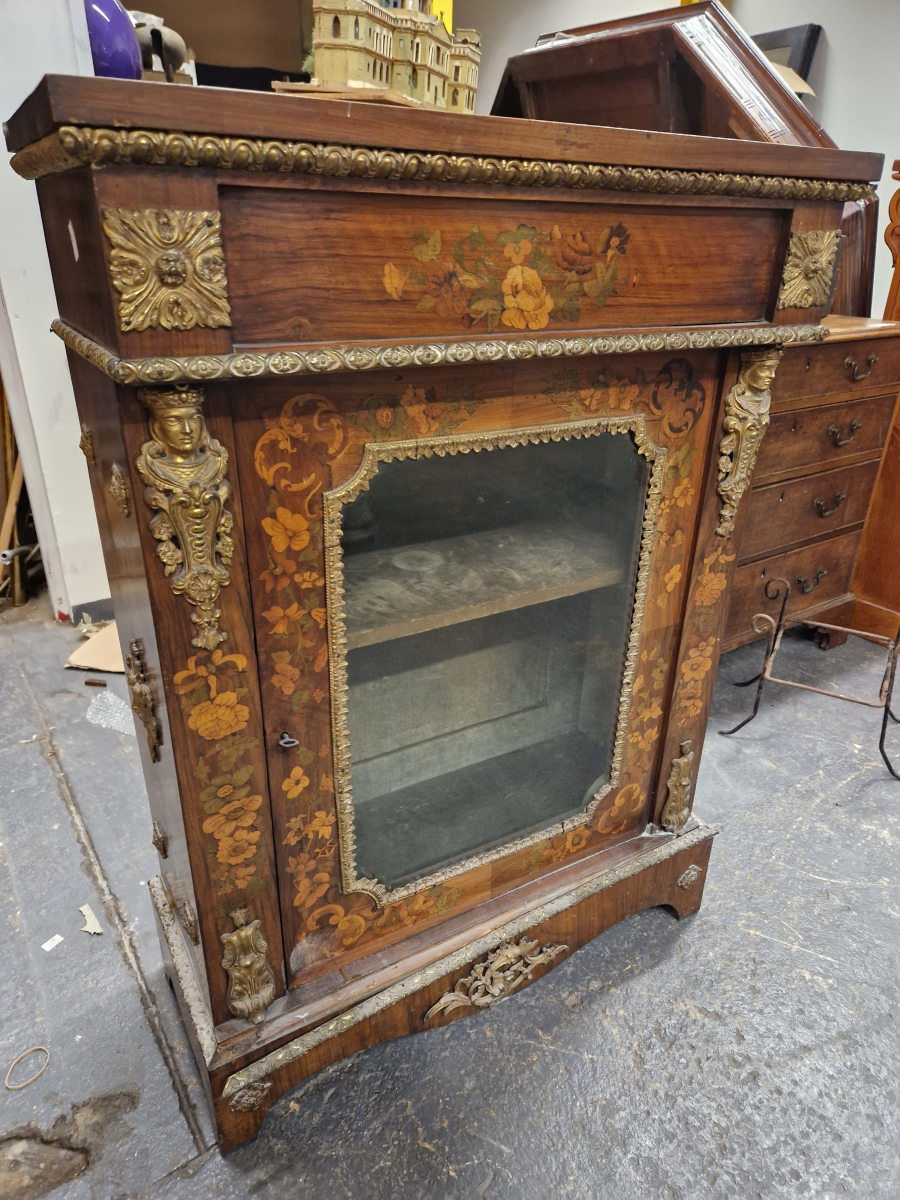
(418, 444)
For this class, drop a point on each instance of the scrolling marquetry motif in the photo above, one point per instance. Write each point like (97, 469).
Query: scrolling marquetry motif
(746, 421)
(809, 268)
(251, 983)
(678, 805)
(183, 469)
(168, 268)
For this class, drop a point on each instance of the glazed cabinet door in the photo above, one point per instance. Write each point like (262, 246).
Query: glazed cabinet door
(467, 588)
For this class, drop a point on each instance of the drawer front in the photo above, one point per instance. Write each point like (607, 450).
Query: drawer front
(816, 574)
(823, 370)
(782, 514)
(824, 434)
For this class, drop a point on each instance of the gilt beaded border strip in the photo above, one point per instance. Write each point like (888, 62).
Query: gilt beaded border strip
(281, 363)
(73, 146)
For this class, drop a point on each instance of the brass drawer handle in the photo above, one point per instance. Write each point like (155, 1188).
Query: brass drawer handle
(819, 505)
(850, 364)
(806, 587)
(835, 433)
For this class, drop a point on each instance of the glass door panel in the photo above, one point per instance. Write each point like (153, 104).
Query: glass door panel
(488, 600)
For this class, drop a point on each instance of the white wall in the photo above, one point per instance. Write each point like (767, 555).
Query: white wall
(40, 37)
(854, 74)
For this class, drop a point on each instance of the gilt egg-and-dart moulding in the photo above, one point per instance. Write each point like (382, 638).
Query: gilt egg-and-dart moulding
(168, 268)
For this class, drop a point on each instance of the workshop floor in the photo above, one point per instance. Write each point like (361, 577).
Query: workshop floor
(749, 1051)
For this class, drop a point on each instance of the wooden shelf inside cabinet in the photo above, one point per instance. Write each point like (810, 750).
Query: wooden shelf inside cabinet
(403, 591)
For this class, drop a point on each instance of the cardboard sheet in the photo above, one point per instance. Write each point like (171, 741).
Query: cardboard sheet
(99, 653)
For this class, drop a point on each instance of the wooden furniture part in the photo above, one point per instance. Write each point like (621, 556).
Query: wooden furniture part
(418, 445)
(683, 70)
(876, 578)
(794, 47)
(832, 412)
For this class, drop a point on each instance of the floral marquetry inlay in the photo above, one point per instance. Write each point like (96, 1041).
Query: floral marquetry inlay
(212, 688)
(521, 279)
(167, 266)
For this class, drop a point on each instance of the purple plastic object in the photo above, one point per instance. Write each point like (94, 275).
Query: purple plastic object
(114, 44)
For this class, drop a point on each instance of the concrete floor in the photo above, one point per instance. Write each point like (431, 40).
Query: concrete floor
(750, 1051)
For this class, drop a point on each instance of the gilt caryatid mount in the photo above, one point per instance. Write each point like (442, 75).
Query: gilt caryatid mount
(183, 469)
(746, 421)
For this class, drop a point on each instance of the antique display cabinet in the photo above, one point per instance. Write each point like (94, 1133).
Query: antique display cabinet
(418, 444)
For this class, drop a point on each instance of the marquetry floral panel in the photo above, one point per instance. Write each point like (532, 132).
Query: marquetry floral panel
(520, 279)
(213, 692)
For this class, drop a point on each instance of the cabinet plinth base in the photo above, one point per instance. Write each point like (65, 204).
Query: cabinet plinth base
(666, 870)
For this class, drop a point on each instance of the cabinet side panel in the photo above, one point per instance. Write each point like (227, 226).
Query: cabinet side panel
(213, 704)
(77, 262)
(99, 412)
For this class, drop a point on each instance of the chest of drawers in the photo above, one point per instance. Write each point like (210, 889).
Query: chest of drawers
(832, 409)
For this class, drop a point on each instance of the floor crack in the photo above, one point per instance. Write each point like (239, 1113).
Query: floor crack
(113, 911)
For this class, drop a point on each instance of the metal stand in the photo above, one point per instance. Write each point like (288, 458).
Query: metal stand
(763, 623)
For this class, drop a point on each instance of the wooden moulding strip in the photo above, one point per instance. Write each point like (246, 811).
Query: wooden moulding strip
(256, 1072)
(393, 356)
(73, 146)
(183, 966)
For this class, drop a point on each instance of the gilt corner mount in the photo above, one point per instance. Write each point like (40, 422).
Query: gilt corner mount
(168, 268)
(810, 269)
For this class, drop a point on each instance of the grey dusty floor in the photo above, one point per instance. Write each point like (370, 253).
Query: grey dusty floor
(751, 1050)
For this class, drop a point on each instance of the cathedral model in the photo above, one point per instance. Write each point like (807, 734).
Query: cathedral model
(398, 44)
